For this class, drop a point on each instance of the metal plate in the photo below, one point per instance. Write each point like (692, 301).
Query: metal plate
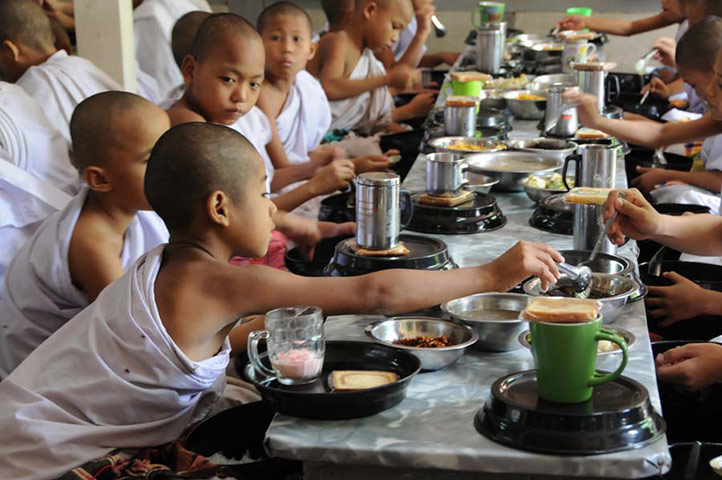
(316, 400)
(451, 144)
(619, 416)
(629, 337)
(512, 167)
(481, 214)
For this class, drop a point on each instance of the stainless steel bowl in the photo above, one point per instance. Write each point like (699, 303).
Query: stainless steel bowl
(494, 99)
(543, 82)
(603, 263)
(494, 335)
(617, 290)
(629, 337)
(480, 183)
(526, 109)
(512, 167)
(387, 331)
(552, 147)
(452, 144)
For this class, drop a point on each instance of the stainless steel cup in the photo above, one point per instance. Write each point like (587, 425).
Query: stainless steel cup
(445, 173)
(378, 210)
(560, 121)
(460, 121)
(588, 227)
(490, 41)
(596, 166)
(593, 82)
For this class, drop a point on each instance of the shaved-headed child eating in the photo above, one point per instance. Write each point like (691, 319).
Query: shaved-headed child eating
(356, 82)
(148, 356)
(79, 250)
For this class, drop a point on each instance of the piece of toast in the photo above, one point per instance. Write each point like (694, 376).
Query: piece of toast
(348, 380)
(461, 101)
(585, 133)
(561, 310)
(470, 76)
(446, 201)
(399, 250)
(587, 195)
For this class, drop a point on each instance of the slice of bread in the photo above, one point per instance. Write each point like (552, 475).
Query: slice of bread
(348, 380)
(587, 195)
(590, 134)
(470, 76)
(561, 310)
(399, 250)
(461, 101)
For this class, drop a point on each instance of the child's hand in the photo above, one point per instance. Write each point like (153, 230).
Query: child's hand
(587, 110)
(650, 178)
(523, 260)
(303, 232)
(421, 105)
(325, 154)
(682, 301)
(448, 58)
(334, 176)
(637, 218)
(330, 229)
(694, 366)
(572, 22)
(667, 48)
(371, 163)
(401, 76)
(657, 87)
(423, 19)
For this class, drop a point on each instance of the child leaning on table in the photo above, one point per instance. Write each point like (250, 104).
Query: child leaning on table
(694, 365)
(148, 357)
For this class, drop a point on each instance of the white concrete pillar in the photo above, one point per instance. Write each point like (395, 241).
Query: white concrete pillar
(104, 30)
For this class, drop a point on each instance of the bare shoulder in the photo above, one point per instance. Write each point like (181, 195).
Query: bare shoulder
(180, 113)
(271, 100)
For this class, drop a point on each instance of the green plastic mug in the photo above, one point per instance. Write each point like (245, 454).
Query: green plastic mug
(583, 11)
(487, 12)
(565, 355)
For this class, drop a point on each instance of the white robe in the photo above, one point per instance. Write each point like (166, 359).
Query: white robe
(31, 142)
(175, 94)
(256, 127)
(405, 38)
(61, 83)
(25, 201)
(305, 118)
(147, 86)
(111, 378)
(370, 111)
(39, 296)
(153, 23)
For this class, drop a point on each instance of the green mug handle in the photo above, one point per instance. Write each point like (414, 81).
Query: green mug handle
(599, 378)
(473, 17)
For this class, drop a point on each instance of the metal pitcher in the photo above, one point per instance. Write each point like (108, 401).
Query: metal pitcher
(378, 210)
(490, 41)
(596, 166)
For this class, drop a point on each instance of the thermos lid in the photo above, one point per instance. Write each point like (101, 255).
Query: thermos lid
(379, 179)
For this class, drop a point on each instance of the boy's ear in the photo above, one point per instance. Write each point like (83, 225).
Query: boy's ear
(217, 207)
(314, 49)
(369, 10)
(188, 68)
(12, 49)
(97, 179)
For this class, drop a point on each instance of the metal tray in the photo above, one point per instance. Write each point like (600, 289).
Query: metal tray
(619, 416)
(446, 144)
(317, 401)
(481, 214)
(492, 164)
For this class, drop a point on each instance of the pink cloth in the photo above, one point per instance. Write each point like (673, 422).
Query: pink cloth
(275, 256)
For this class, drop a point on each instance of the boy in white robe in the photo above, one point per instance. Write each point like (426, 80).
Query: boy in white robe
(355, 82)
(78, 251)
(153, 22)
(31, 142)
(148, 356)
(57, 81)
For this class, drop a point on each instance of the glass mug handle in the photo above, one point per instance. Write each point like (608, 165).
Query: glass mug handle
(591, 50)
(407, 205)
(253, 355)
(600, 378)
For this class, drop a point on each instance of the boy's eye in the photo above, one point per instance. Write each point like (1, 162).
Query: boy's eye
(227, 80)
(275, 37)
(266, 195)
(296, 39)
(255, 85)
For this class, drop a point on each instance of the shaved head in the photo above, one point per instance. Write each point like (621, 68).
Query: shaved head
(698, 47)
(193, 160)
(184, 32)
(25, 22)
(336, 10)
(221, 26)
(282, 8)
(100, 123)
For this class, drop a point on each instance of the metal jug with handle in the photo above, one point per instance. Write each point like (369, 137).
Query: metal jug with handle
(378, 210)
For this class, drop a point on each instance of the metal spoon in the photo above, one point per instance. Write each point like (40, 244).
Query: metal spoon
(580, 276)
(659, 156)
(598, 245)
(439, 28)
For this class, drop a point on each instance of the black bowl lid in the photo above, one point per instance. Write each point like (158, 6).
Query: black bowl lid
(554, 215)
(619, 416)
(481, 214)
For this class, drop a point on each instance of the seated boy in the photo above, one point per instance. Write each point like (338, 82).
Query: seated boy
(153, 22)
(148, 356)
(355, 82)
(58, 82)
(79, 250)
(223, 77)
(295, 102)
(338, 14)
(31, 142)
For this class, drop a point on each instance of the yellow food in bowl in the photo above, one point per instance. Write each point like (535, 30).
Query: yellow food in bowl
(472, 146)
(528, 96)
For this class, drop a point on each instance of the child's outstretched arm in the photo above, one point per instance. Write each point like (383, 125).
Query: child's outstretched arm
(651, 177)
(614, 26)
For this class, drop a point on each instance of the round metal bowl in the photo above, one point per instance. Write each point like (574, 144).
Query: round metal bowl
(386, 332)
(629, 337)
(494, 99)
(603, 263)
(617, 290)
(552, 147)
(512, 167)
(458, 145)
(526, 109)
(543, 82)
(494, 335)
(480, 183)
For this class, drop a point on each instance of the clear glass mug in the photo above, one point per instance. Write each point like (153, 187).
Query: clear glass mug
(295, 342)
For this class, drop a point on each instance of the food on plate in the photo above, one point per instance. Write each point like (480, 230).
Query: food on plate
(590, 134)
(424, 342)
(587, 195)
(349, 380)
(561, 310)
(464, 146)
(568, 292)
(399, 250)
(530, 96)
(470, 77)
(508, 83)
(552, 182)
(460, 101)
(573, 35)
